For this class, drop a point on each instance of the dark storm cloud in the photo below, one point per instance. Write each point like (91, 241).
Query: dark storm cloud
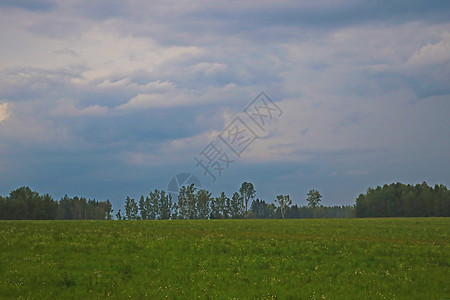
(280, 21)
(290, 14)
(262, 23)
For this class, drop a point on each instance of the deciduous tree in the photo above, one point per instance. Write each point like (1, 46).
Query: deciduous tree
(313, 200)
(284, 203)
(247, 192)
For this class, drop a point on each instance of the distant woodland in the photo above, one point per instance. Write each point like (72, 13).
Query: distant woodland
(25, 204)
(400, 200)
(394, 200)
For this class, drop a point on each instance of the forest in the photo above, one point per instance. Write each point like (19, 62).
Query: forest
(394, 200)
(400, 200)
(25, 204)
(200, 204)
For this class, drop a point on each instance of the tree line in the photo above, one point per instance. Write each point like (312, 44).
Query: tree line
(25, 204)
(394, 200)
(193, 203)
(400, 200)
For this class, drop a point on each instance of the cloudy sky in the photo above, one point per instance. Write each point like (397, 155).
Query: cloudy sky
(105, 99)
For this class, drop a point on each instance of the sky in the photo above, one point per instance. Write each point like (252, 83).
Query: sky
(107, 99)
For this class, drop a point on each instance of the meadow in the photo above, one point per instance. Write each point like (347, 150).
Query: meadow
(397, 258)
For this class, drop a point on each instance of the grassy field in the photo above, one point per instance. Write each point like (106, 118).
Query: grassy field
(226, 259)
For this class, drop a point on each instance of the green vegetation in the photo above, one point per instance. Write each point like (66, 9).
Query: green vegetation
(25, 204)
(200, 204)
(394, 200)
(400, 200)
(224, 259)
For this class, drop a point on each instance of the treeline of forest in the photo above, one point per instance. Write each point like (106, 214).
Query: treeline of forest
(394, 200)
(400, 200)
(200, 204)
(25, 204)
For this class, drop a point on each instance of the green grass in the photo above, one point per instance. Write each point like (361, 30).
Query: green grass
(226, 259)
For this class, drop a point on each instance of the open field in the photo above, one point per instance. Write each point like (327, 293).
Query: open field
(220, 259)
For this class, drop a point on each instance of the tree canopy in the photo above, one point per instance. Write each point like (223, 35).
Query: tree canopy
(394, 200)
(400, 200)
(25, 204)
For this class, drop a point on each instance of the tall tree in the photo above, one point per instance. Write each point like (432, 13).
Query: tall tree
(143, 210)
(191, 197)
(203, 204)
(187, 202)
(284, 203)
(236, 207)
(165, 205)
(227, 208)
(214, 208)
(247, 192)
(222, 204)
(182, 203)
(131, 209)
(108, 209)
(220, 207)
(153, 204)
(313, 200)
(174, 214)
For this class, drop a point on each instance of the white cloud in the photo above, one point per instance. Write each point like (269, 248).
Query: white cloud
(145, 101)
(176, 97)
(209, 68)
(66, 107)
(431, 54)
(4, 114)
(126, 83)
